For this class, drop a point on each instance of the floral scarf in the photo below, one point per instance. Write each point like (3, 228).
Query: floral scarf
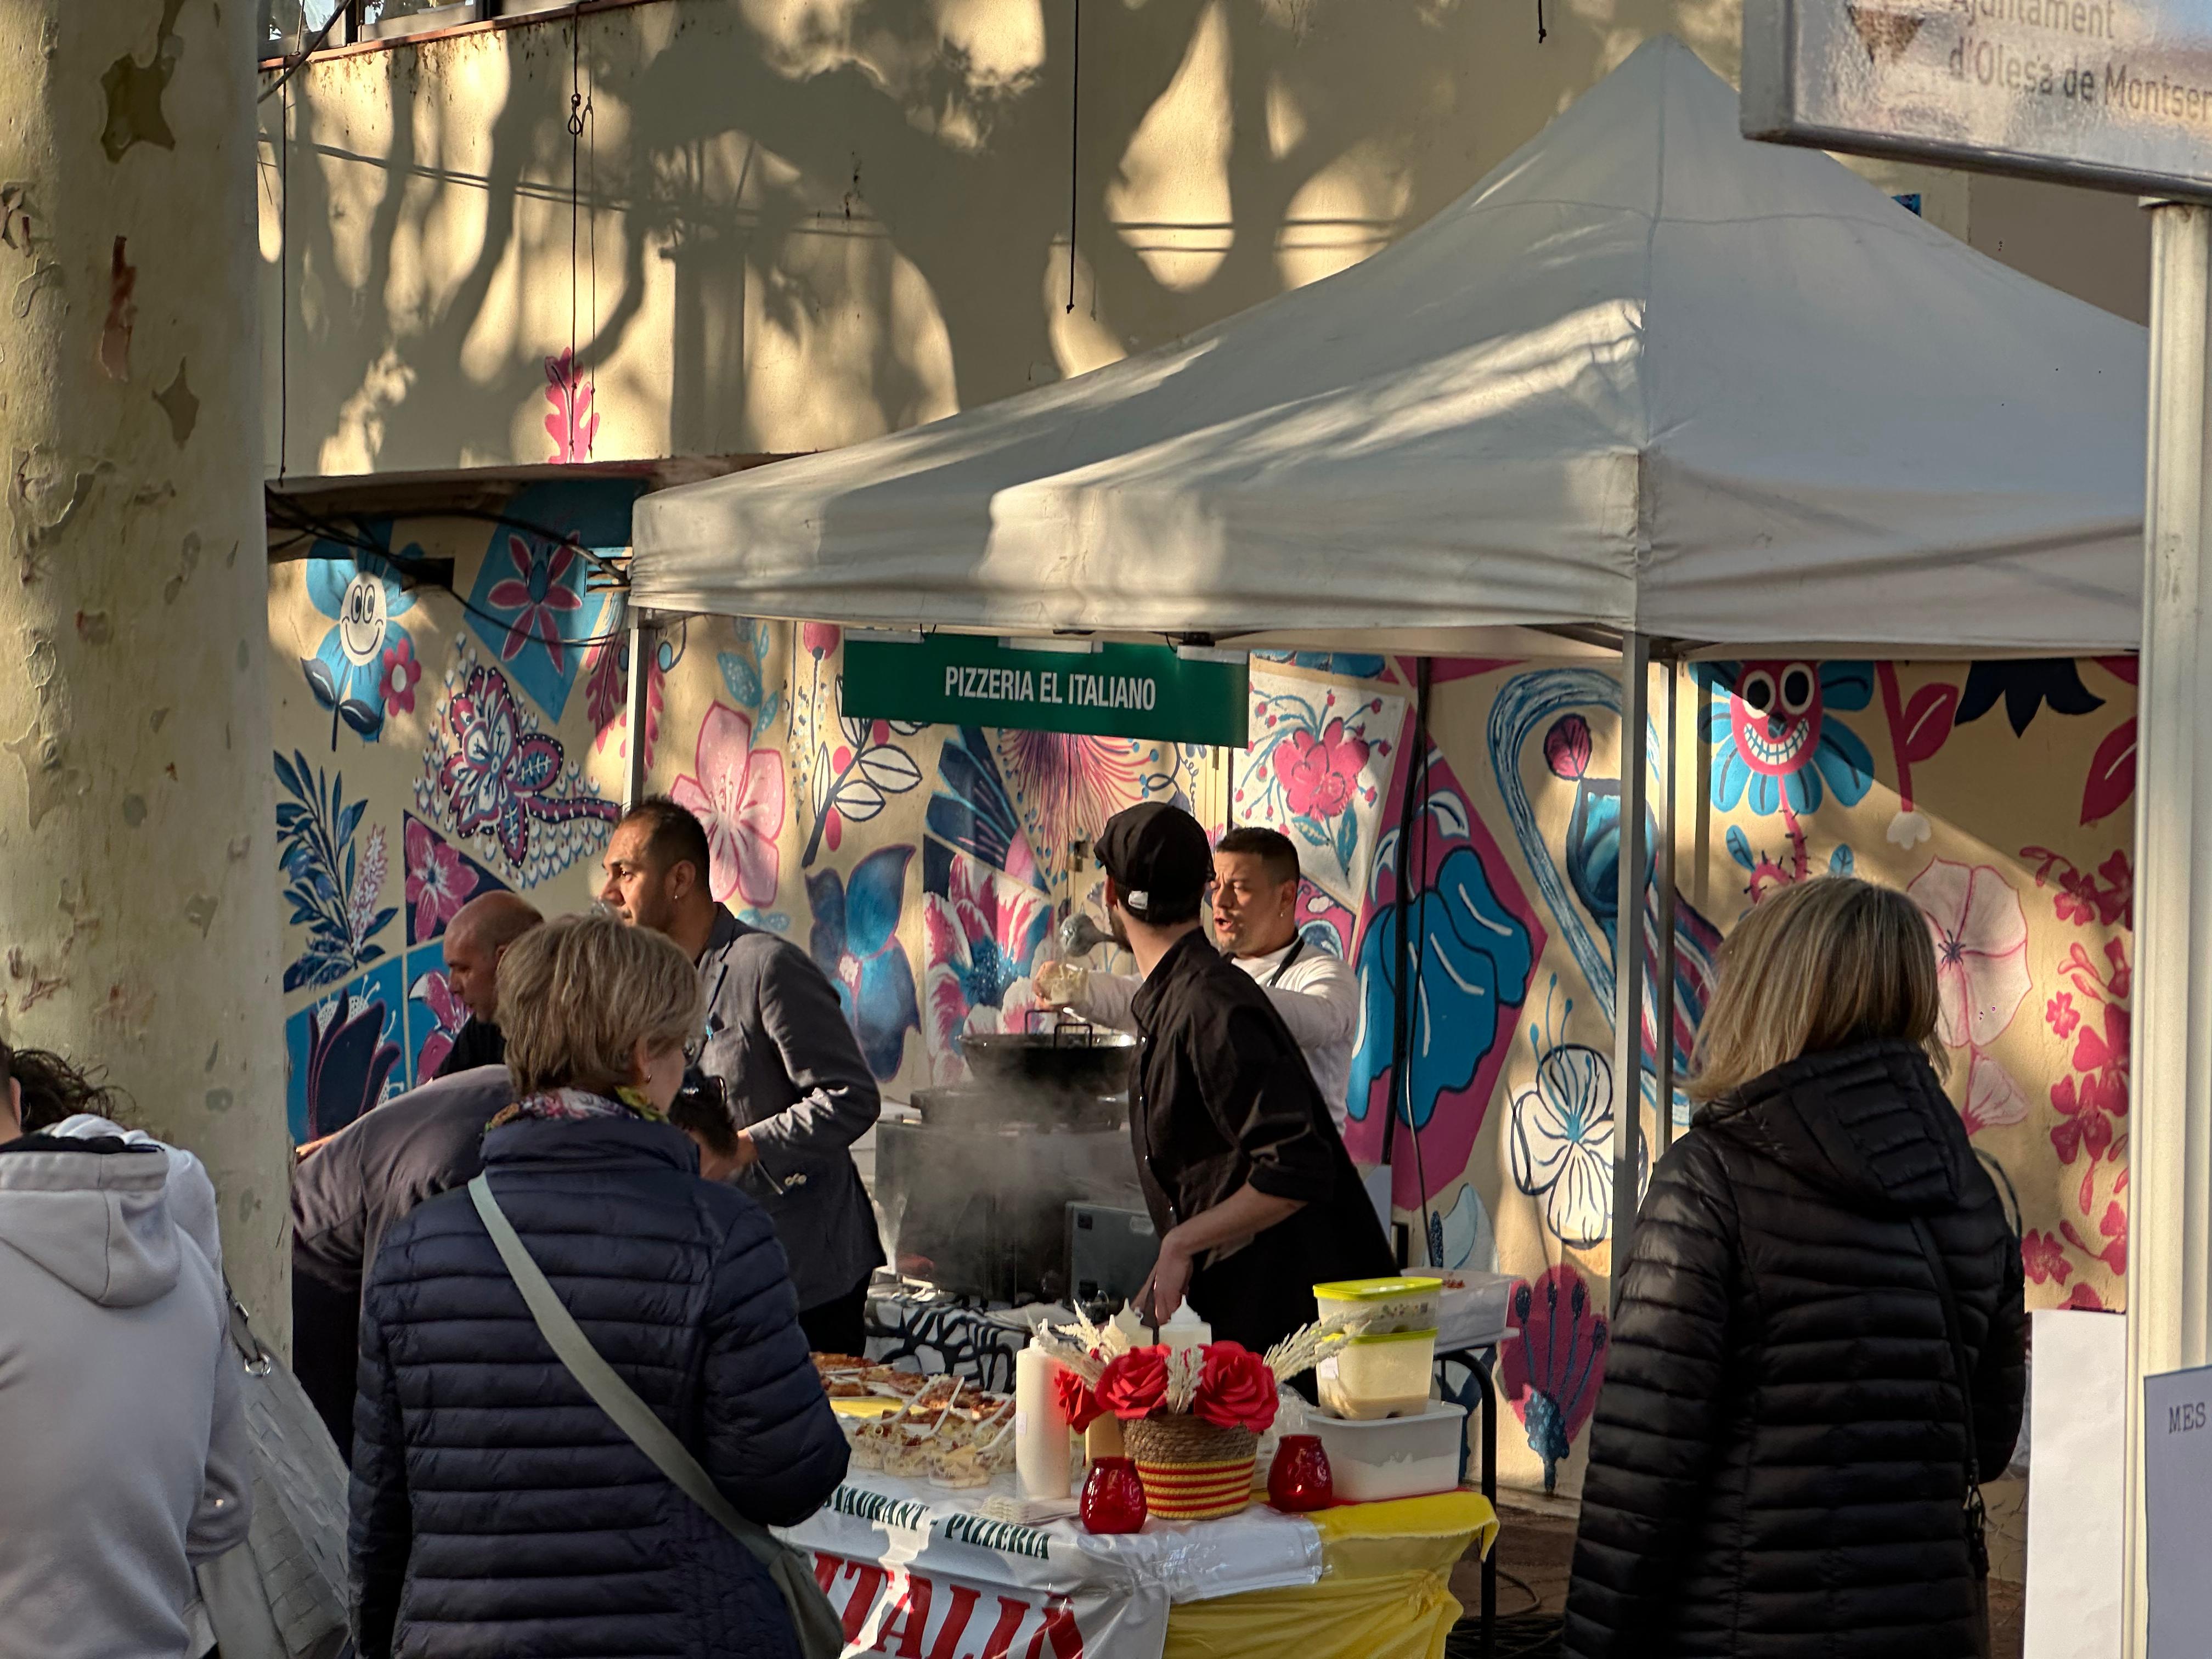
(575, 1105)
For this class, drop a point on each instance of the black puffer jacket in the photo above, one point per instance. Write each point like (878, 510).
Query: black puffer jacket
(498, 1513)
(1777, 1463)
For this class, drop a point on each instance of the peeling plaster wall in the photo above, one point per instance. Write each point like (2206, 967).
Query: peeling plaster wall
(803, 224)
(139, 927)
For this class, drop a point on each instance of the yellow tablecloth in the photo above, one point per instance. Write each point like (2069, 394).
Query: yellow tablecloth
(1385, 1589)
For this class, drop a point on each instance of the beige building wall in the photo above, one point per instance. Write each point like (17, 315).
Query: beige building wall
(799, 223)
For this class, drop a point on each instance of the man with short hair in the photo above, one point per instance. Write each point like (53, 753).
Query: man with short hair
(1248, 1185)
(476, 938)
(795, 1092)
(1255, 924)
(350, 1189)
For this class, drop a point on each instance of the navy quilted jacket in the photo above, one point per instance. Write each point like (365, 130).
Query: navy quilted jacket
(1778, 1461)
(497, 1512)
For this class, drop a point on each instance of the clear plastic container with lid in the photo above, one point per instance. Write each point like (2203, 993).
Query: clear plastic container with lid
(1386, 1306)
(1378, 1375)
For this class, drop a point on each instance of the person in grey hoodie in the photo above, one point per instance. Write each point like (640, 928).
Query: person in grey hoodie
(124, 1456)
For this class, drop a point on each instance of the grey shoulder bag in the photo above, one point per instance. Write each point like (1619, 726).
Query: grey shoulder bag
(821, 1633)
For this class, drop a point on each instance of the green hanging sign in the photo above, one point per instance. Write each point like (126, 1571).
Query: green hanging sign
(1154, 691)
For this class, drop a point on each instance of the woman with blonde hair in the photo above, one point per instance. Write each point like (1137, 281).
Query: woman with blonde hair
(1818, 1348)
(498, 1509)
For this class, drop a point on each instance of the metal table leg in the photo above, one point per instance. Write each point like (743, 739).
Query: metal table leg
(1477, 1364)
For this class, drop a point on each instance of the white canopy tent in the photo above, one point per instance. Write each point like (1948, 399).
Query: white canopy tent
(1647, 375)
(1647, 379)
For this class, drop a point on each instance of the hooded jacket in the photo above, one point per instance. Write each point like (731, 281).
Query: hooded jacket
(123, 1454)
(1778, 1460)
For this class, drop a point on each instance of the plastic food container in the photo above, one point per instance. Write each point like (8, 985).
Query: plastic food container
(1375, 1376)
(1402, 1457)
(1391, 1304)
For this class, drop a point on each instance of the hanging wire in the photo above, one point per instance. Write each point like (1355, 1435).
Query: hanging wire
(575, 163)
(299, 62)
(1540, 22)
(284, 275)
(1074, 129)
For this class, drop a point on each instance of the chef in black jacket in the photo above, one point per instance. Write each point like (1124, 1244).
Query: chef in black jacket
(1245, 1174)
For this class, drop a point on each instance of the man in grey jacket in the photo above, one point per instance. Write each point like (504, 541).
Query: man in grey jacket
(124, 1456)
(790, 1072)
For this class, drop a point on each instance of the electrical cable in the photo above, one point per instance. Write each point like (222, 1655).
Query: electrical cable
(612, 566)
(424, 573)
(300, 61)
(1427, 822)
(1074, 130)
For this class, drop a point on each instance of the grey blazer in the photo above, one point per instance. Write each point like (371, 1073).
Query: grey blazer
(778, 1039)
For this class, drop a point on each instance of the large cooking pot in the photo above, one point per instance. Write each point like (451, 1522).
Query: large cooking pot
(1084, 1060)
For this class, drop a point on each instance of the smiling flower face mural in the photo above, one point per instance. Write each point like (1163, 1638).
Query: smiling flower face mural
(366, 663)
(1777, 744)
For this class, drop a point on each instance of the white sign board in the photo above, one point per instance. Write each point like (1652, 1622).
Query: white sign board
(2114, 93)
(2076, 1487)
(2176, 1440)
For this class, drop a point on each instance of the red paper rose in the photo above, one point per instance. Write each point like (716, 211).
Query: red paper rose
(1076, 1399)
(1235, 1390)
(1131, 1386)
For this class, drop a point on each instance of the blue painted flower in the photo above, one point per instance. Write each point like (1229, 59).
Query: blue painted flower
(359, 592)
(1473, 959)
(855, 941)
(1776, 742)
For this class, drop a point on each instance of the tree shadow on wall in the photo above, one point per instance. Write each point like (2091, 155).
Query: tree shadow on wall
(864, 223)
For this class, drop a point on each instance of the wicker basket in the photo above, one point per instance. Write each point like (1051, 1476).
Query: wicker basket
(1192, 1470)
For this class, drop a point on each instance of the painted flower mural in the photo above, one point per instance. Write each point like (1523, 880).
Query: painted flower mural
(439, 881)
(980, 932)
(1316, 766)
(447, 1014)
(1474, 944)
(350, 1061)
(1778, 745)
(350, 673)
(1561, 1145)
(489, 771)
(1981, 948)
(1067, 786)
(401, 675)
(855, 941)
(532, 609)
(736, 792)
(539, 593)
(1552, 1366)
(335, 888)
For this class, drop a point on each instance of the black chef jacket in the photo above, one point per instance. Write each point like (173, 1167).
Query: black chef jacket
(478, 1042)
(1223, 1098)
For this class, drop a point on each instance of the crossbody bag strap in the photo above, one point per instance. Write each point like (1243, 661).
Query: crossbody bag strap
(616, 1397)
(1976, 1543)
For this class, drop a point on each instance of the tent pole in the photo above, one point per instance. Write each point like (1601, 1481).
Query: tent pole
(644, 639)
(2170, 1231)
(1662, 1059)
(1628, 950)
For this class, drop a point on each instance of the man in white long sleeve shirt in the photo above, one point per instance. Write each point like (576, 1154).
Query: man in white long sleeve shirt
(1255, 923)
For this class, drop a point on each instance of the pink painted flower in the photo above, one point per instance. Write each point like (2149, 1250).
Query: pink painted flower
(2062, 1015)
(2044, 1258)
(432, 990)
(439, 881)
(983, 935)
(402, 674)
(1320, 774)
(2084, 1300)
(737, 794)
(539, 593)
(818, 639)
(1981, 948)
(1993, 1099)
(2082, 1123)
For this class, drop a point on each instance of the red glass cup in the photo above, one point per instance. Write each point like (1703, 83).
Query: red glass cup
(1298, 1481)
(1113, 1496)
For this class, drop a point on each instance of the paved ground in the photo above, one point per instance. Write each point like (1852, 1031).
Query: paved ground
(1535, 1554)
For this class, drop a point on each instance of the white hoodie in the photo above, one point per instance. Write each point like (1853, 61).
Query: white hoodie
(124, 1457)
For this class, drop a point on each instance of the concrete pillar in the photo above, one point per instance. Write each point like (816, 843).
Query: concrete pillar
(137, 895)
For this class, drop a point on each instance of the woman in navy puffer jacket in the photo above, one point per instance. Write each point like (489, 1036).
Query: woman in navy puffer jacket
(498, 1513)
